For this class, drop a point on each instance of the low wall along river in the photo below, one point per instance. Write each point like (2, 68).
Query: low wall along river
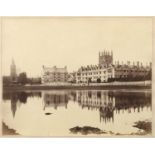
(112, 85)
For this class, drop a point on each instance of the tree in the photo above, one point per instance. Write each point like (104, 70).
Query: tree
(22, 78)
(6, 80)
(23, 97)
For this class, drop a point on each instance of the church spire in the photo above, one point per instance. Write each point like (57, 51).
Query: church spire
(13, 73)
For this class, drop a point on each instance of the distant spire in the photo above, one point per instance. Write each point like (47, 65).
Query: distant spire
(13, 73)
(13, 62)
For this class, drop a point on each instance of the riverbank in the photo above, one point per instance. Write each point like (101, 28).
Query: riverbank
(99, 86)
(144, 128)
(7, 131)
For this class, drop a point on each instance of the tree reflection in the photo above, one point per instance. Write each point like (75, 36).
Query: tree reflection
(105, 102)
(18, 97)
(108, 102)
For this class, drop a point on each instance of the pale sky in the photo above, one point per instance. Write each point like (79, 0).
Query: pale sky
(72, 42)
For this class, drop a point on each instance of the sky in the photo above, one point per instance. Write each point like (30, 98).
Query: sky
(72, 41)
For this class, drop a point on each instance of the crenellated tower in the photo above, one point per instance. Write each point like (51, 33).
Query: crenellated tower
(105, 58)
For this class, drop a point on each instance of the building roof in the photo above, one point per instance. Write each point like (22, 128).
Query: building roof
(55, 69)
(93, 67)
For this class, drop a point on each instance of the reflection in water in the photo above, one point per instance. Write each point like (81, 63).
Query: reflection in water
(98, 100)
(106, 114)
(108, 101)
(7, 131)
(19, 98)
(55, 99)
(14, 99)
(105, 102)
(129, 101)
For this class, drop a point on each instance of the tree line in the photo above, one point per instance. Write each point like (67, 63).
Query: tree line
(21, 79)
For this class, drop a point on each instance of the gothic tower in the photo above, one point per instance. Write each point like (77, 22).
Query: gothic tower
(13, 73)
(105, 58)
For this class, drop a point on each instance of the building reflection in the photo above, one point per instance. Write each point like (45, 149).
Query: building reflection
(55, 99)
(107, 113)
(98, 100)
(108, 102)
(18, 98)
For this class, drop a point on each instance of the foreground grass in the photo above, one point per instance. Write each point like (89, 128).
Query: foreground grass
(7, 131)
(146, 126)
(86, 130)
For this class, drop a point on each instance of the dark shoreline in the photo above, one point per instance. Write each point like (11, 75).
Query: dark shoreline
(7, 131)
(70, 87)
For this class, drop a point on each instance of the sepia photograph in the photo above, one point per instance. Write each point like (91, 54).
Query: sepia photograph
(76, 76)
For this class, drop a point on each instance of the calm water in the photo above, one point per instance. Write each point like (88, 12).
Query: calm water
(116, 111)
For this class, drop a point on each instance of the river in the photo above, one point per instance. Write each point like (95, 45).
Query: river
(53, 113)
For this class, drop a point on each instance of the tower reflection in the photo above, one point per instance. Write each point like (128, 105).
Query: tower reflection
(18, 98)
(108, 102)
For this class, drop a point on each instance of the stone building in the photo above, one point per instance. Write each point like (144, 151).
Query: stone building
(72, 77)
(134, 70)
(97, 73)
(107, 71)
(105, 58)
(94, 73)
(54, 75)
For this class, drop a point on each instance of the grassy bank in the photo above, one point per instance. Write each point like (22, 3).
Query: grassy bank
(7, 131)
(146, 126)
